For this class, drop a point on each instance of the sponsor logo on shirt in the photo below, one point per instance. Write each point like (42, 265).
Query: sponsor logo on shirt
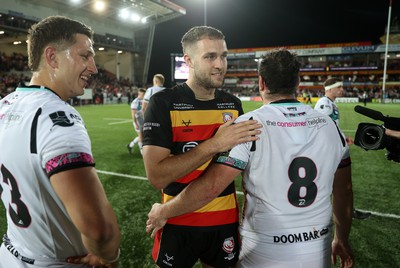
(285, 124)
(189, 146)
(150, 125)
(10, 118)
(60, 119)
(317, 122)
(301, 237)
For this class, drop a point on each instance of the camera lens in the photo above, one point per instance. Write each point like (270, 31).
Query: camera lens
(372, 138)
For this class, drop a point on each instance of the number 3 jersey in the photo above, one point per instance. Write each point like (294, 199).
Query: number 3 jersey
(288, 173)
(39, 135)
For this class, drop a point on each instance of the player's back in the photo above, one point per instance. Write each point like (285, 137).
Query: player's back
(290, 173)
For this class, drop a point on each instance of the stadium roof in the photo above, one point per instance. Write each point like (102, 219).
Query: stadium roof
(126, 25)
(125, 12)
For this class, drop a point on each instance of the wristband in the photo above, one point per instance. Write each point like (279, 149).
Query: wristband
(116, 258)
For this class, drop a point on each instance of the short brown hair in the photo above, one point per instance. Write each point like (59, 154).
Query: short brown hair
(199, 32)
(56, 30)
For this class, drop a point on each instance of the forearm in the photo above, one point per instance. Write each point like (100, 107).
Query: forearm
(201, 191)
(193, 197)
(343, 207)
(105, 243)
(169, 169)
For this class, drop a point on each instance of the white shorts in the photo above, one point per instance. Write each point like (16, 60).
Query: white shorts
(140, 121)
(256, 254)
(8, 260)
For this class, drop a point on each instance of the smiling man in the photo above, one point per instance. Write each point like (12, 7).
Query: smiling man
(184, 128)
(55, 203)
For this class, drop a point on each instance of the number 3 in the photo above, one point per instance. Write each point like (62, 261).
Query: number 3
(21, 216)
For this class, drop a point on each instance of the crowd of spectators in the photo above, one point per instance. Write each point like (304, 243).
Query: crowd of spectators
(105, 85)
(108, 88)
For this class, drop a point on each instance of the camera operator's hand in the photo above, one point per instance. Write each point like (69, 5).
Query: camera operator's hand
(392, 133)
(349, 140)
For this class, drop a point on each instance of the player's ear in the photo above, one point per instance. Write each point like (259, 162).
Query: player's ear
(50, 56)
(261, 84)
(262, 87)
(188, 60)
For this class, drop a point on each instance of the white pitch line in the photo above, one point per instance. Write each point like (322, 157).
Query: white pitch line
(385, 215)
(120, 122)
(109, 118)
(122, 175)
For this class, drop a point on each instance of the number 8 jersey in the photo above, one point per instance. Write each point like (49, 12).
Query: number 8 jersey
(288, 173)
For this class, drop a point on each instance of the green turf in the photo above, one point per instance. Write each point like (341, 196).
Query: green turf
(376, 183)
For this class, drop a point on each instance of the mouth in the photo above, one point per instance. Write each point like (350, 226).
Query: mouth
(218, 74)
(85, 78)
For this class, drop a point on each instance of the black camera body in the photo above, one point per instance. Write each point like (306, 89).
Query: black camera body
(372, 136)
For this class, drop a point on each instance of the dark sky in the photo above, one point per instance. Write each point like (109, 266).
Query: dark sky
(266, 23)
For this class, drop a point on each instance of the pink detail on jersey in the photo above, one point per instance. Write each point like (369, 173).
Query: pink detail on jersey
(67, 159)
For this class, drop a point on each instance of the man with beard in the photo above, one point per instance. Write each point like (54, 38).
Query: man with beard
(185, 127)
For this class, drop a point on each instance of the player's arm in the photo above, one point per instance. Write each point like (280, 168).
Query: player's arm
(194, 196)
(83, 196)
(146, 99)
(163, 169)
(144, 105)
(324, 107)
(134, 118)
(342, 216)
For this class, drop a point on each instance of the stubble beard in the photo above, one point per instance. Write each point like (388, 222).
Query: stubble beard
(208, 82)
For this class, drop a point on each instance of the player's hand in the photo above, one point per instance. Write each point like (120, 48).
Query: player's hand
(136, 126)
(93, 260)
(230, 135)
(344, 253)
(155, 220)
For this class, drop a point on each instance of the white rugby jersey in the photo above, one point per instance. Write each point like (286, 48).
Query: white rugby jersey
(137, 105)
(326, 106)
(151, 91)
(40, 134)
(288, 173)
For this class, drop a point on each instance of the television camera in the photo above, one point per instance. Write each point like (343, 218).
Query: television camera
(372, 136)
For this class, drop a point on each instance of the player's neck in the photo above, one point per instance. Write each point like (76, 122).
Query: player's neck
(201, 93)
(330, 96)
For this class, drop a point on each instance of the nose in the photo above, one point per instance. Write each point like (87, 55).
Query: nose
(220, 62)
(92, 66)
